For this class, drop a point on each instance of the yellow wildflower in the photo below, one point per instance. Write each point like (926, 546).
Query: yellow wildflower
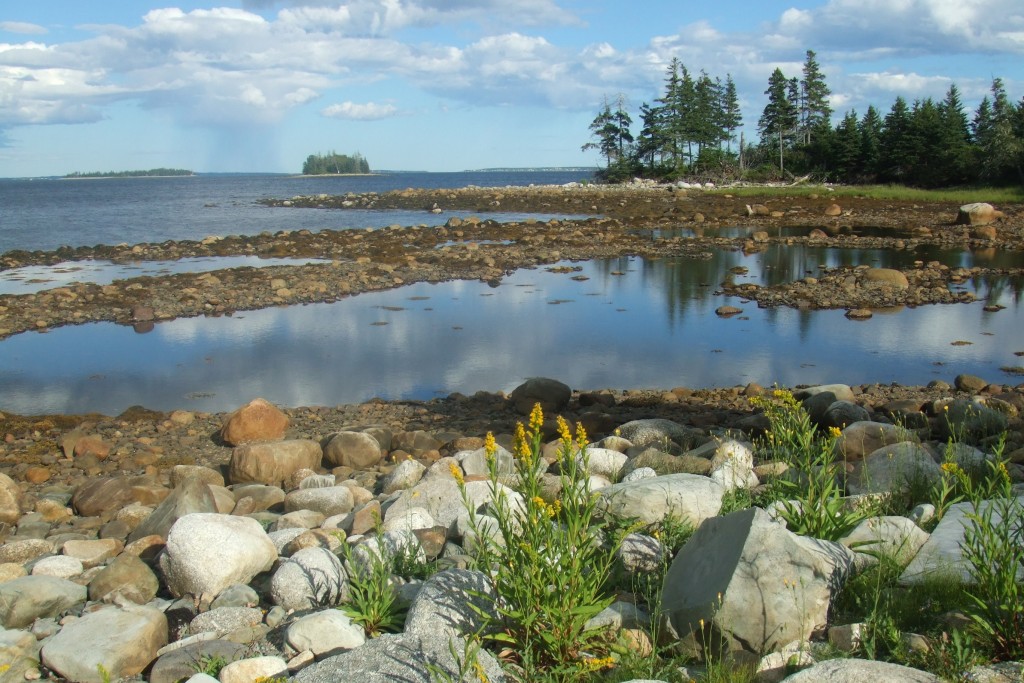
(457, 473)
(581, 435)
(481, 675)
(835, 432)
(490, 445)
(536, 418)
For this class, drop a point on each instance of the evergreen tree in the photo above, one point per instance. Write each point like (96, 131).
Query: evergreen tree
(870, 143)
(1000, 150)
(815, 111)
(846, 148)
(897, 153)
(651, 142)
(731, 116)
(954, 139)
(924, 145)
(611, 135)
(779, 118)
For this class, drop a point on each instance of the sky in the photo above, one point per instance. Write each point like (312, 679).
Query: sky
(441, 85)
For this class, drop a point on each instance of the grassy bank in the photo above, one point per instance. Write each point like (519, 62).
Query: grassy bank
(992, 195)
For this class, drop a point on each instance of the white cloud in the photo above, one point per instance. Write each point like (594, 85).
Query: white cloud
(22, 27)
(369, 111)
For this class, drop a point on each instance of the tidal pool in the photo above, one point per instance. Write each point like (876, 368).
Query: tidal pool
(620, 323)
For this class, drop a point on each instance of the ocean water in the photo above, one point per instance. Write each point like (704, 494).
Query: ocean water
(50, 213)
(620, 323)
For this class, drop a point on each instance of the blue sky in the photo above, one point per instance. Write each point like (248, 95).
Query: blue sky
(440, 85)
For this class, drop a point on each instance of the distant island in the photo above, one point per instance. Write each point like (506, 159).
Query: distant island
(333, 163)
(151, 173)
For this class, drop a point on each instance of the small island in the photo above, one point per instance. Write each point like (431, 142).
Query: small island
(151, 173)
(333, 163)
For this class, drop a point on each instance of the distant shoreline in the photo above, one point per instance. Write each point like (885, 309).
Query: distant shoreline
(123, 177)
(334, 175)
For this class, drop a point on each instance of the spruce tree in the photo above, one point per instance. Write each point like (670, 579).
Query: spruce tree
(779, 118)
(732, 118)
(815, 110)
(870, 143)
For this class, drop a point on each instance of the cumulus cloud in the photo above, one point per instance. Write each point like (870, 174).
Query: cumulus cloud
(382, 17)
(370, 111)
(22, 27)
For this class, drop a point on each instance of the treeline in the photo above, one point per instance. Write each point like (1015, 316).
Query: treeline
(332, 162)
(131, 174)
(690, 131)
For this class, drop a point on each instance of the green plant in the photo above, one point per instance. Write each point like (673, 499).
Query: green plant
(810, 498)
(372, 598)
(993, 547)
(467, 662)
(210, 664)
(547, 561)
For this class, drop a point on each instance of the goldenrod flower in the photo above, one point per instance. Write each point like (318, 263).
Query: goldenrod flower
(581, 435)
(490, 445)
(835, 432)
(457, 473)
(536, 418)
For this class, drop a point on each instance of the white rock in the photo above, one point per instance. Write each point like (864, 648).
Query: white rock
(61, 566)
(207, 552)
(325, 633)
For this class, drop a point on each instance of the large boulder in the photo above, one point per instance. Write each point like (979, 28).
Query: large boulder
(325, 633)
(750, 586)
(860, 671)
(126, 577)
(977, 213)
(358, 450)
(895, 469)
(10, 500)
(403, 657)
(885, 277)
(312, 577)
(689, 498)
(106, 494)
(272, 463)
(863, 438)
(943, 552)
(893, 536)
(108, 644)
(551, 394)
(661, 433)
(208, 552)
(258, 420)
(451, 601)
(25, 599)
(329, 500)
(191, 496)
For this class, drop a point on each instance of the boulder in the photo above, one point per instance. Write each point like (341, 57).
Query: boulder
(895, 469)
(604, 462)
(61, 566)
(252, 669)
(325, 633)
(863, 438)
(660, 432)
(108, 644)
(451, 601)
(358, 450)
(689, 498)
(25, 599)
(207, 475)
(969, 383)
(860, 671)
(10, 500)
(403, 657)
(840, 392)
(843, 413)
(312, 577)
(258, 420)
(732, 465)
(93, 552)
(272, 463)
(180, 664)
(332, 500)
(106, 494)
(552, 395)
(885, 277)
(208, 552)
(126, 577)
(943, 551)
(894, 536)
(977, 213)
(192, 495)
(224, 621)
(753, 583)
(405, 475)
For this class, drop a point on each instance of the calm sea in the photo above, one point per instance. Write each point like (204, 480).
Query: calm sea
(622, 323)
(49, 213)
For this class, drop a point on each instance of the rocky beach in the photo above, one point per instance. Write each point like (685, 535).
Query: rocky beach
(107, 572)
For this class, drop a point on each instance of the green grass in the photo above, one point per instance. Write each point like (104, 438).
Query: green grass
(993, 195)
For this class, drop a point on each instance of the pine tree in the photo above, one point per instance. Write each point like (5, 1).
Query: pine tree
(846, 149)
(954, 139)
(779, 118)
(896, 156)
(815, 110)
(731, 115)
(870, 142)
